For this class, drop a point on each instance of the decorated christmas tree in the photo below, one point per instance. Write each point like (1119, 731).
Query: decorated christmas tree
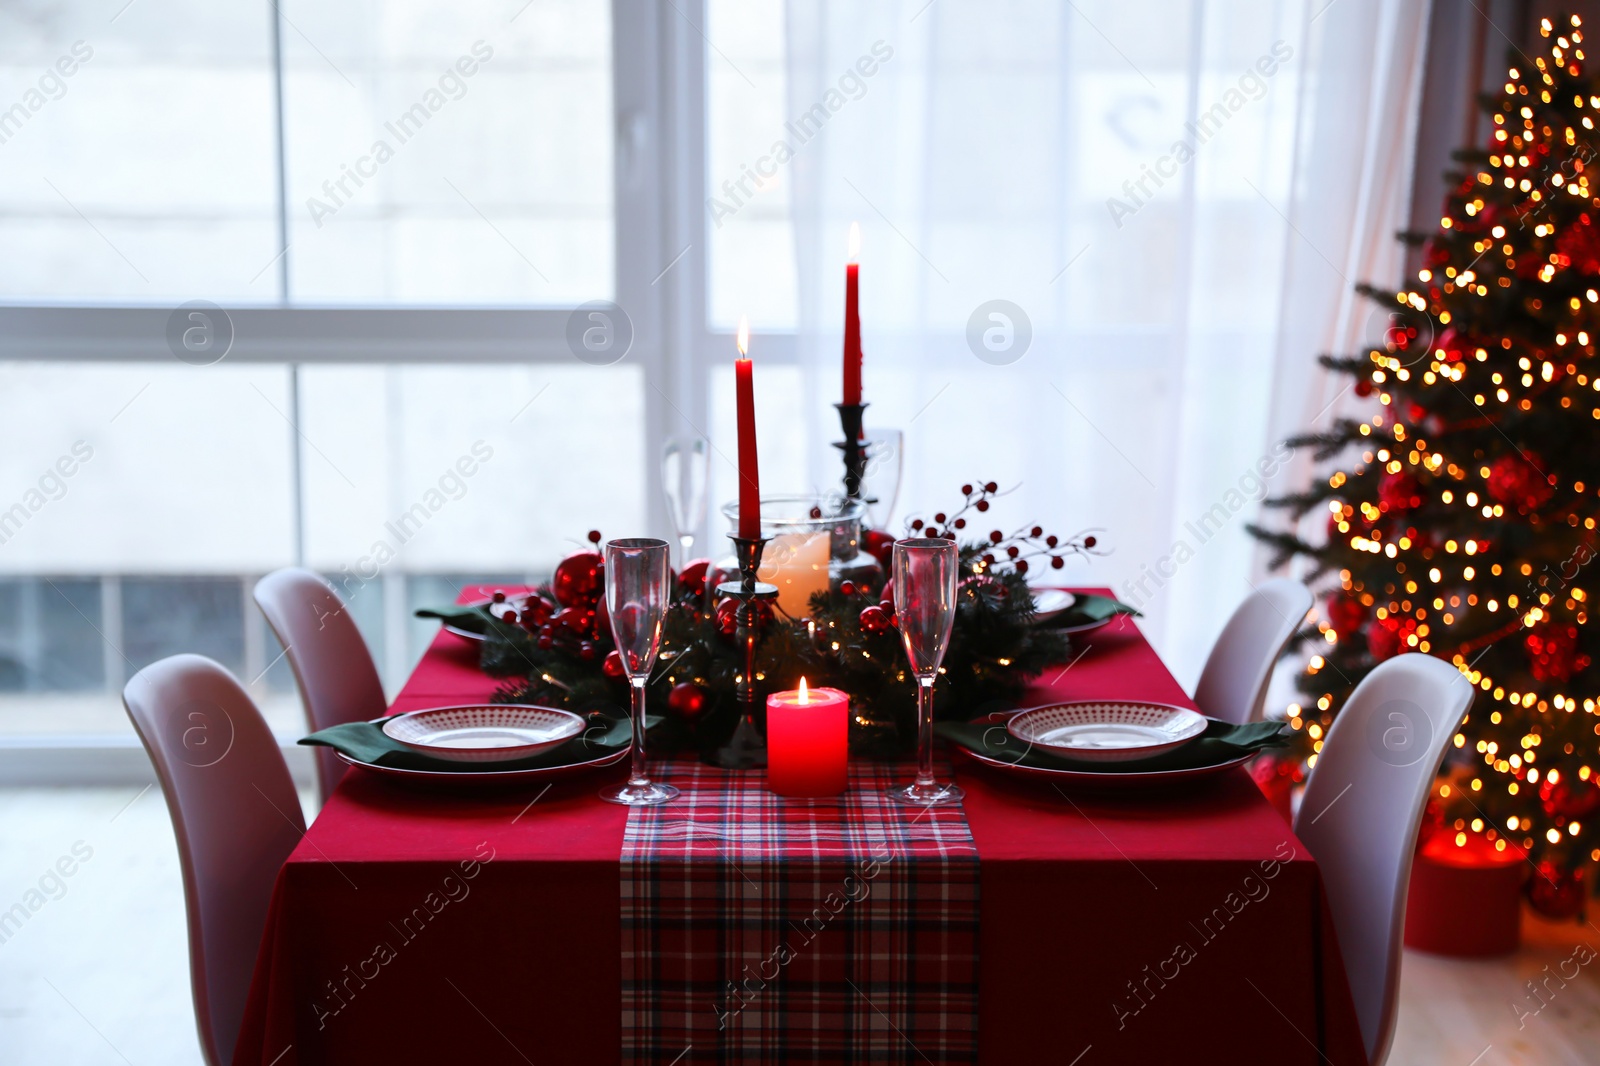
(1461, 515)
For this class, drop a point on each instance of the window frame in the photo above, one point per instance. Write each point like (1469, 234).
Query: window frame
(660, 237)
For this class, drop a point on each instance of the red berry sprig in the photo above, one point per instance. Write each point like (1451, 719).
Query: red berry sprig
(1013, 549)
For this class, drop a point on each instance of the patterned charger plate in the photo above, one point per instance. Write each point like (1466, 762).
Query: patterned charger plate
(1090, 780)
(485, 780)
(496, 732)
(1106, 730)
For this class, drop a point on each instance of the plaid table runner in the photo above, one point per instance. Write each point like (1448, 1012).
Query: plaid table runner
(758, 929)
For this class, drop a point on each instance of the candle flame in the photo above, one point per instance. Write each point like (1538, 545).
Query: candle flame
(743, 339)
(805, 694)
(855, 241)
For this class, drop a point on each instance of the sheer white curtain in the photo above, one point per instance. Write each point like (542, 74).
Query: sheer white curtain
(1176, 196)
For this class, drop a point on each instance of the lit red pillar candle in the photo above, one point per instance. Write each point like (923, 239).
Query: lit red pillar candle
(852, 321)
(808, 735)
(749, 470)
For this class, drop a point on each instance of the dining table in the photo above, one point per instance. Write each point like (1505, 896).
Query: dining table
(1030, 923)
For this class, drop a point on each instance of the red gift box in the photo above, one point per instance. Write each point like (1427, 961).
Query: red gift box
(1464, 900)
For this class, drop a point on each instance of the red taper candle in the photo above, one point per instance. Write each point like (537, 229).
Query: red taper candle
(749, 470)
(852, 320)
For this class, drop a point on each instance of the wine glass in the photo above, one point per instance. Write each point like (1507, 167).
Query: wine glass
(880, 480)
(925, 610)
(637, 592)
(685, 467)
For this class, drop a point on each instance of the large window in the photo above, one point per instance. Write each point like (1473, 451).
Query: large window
(383, 215)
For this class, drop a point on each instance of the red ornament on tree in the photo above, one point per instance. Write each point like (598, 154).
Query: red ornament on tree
(1581, 245)
(1399, 492)
(612, 666)
(1388, 637)
(579, 579)
(1557, 892)
(1569, 798)
(1519, 482)
(687, 699)
(1346, 614)
(1553, 652)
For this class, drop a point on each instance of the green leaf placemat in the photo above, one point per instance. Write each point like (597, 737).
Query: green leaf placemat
(1221, 742)
(367, 742)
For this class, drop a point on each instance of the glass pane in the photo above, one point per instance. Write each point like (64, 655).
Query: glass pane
(439, 153)
(47, 635)
(748, 177)
(140, 468)
(138, 153)
(168, 616)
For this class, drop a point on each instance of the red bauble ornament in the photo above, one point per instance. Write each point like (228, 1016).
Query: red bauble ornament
(1557, 892)
(1388, 637)
(727, 616)
(1399, 492)
(687, 699)
(612, 666)
(1363, 388)
(537, 610)
(1570, 798)
(879, 545)
(1346, 614)
(579, 579)
(1518, 482)
(692, 579)
(575, 621)
(1580, 243)
(1553, 652)
(875, 620)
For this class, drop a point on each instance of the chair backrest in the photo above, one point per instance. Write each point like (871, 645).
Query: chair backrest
(1361, 812)
(1233, 685)
(338, 681)
(236, 816)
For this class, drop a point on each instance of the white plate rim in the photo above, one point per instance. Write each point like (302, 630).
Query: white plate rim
(1120, 754)
(483, 754)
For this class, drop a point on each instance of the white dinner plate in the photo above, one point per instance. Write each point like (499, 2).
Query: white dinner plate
(489, 732)
(1106, 730)
(1048, 603)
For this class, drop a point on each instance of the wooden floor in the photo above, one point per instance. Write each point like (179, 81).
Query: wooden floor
(99, 974)
(1487, 1013)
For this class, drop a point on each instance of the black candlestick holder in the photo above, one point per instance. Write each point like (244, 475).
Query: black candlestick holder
(855, 454)
(747, 748)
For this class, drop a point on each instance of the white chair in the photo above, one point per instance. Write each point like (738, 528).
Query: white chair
(1233, 685)
(331, 663)
(236, 816)
(1361, 812)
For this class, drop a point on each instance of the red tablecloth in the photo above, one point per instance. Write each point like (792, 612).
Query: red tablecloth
(416, 927)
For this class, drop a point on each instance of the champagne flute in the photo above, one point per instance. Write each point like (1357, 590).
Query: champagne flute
(880, 481)
(925, 610)
(685, 467)
(637, 592)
